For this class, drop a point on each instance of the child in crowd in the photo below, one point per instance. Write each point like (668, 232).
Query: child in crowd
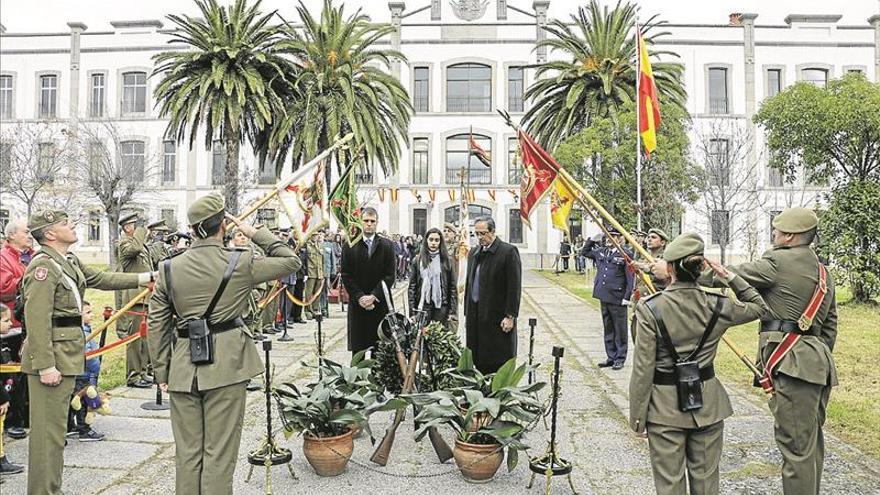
(6, 467)
(76, 422)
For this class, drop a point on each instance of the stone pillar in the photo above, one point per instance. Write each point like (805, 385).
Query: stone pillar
(502, 9)
(875, 22)
(747, 21)
(748, 25)
(435, 10)
(541, 7)
(76, 29)
(396, 9)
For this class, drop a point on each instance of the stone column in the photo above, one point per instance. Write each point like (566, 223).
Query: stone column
(76, 29)
(435, 10)
(875, 22)
(396, 9)
(541, 7)
(748, 25)
(502, 10)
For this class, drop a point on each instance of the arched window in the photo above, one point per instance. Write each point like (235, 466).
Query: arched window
(469, 88)
(474, 212)
(458, 157)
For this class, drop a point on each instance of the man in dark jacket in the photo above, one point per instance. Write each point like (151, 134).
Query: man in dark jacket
(492, 296)
(364, 267)
(612, 287)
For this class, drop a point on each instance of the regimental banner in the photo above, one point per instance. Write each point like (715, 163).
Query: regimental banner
(562, 198)
(305, 203)
(539, 171)
(344, 207)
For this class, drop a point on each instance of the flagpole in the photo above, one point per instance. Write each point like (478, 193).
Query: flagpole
(638, 133)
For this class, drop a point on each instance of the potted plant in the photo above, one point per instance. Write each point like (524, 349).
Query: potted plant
(354, 385)
(489, 414)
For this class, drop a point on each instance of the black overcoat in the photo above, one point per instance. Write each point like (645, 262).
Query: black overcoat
(362, 274)
(500, 291)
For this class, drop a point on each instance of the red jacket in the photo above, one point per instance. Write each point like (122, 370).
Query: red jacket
(11, 272)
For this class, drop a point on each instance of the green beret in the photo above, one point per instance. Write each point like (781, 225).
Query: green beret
(205, 207)
(45, 218)
(659, 233)
(683, 246)
(795, 220)
(158, 226)
(128, 218)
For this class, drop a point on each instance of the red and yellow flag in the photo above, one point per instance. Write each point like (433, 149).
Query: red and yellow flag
(649, 105)
(539, 171)
(562, 198)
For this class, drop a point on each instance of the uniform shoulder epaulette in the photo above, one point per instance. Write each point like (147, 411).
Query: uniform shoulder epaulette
(651, 296)
(718, 291)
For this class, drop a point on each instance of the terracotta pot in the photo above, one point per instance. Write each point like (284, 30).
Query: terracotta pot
(478, 420)
(328, 456)
(478, 463)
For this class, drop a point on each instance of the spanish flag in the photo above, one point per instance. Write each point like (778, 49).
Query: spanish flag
(649, 105)
(482, 155)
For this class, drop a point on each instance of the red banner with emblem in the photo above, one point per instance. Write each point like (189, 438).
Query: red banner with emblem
(539, 171)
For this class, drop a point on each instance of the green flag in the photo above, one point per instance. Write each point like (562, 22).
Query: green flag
(344, 206)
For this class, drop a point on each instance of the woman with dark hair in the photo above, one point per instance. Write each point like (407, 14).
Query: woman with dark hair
(431, 284)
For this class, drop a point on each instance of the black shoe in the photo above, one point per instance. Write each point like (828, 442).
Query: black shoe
(618, 365)
(300, 321)
(90, 436)
(17, 432)
(140, 383)
(285, 338)
(252, 386)
(606, 363)
(7, 467)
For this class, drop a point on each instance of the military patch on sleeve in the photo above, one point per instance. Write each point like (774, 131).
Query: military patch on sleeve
(41, 273)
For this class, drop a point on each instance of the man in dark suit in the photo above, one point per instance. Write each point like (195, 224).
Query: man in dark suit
(492, 295)
(364, 266)
(612, 287)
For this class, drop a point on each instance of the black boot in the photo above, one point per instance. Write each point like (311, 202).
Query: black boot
(7, 467)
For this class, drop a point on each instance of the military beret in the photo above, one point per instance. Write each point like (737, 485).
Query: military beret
(159, 226)
(205, 207)
(795, 220)
(128, 218)
(45, 218)
(659, 233)
(612, 230)
(637, 232)
(683, 246)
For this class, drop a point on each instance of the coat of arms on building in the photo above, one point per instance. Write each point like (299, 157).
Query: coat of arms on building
(469, 10)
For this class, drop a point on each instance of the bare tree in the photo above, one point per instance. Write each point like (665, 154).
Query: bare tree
(33, 166)
(116, 172)
(726, 150)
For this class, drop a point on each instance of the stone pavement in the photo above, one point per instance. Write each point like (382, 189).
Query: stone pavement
(138, 455)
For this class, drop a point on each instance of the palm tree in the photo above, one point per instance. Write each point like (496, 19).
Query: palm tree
(340, 87)
(597, 74)
(224, 80)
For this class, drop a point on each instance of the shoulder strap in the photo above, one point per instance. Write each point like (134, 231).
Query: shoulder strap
(69, 283)
(806, 319)
(661, 328)
(226, 276)
(166, 267)
(716, 313)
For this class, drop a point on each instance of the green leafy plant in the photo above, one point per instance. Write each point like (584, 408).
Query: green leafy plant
(482, 409)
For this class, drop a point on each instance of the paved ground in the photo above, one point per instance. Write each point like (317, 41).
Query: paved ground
(138, 455)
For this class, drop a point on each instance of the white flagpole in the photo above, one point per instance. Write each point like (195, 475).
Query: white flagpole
(638, 134)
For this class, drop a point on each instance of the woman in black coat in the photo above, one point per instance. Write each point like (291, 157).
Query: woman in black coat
(432, 284)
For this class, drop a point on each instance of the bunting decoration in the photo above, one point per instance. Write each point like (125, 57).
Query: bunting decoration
(394, 194)
(492, 194)
(432, 193)
(381, 192)
(451, 193)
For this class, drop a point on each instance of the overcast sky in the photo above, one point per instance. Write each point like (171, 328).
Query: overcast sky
(53, 15)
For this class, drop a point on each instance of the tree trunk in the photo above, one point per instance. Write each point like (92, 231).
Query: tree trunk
(112, 233)
(230, 190)
(723, 251)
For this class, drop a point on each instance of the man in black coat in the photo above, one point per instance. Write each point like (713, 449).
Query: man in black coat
(492, 295)
(364, 266)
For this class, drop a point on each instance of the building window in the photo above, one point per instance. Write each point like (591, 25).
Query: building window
(515, 84)
(720, 227)
(719, 162)
(169, 161)
(451, 215)
(94, 234)
(6, 95)
(469, 88)
(420, 161)
(134, 93)
(170, 218)
(514, 227)
(775, 177)
(458, 157)
(514, 163)
(5, 157)
(267, 172)
(774, 82)
(363, 174)
(855, 71)
(772, 216)
(267, 217)
(218, 163)
(48, 96)
(421, 89)
(815, 76)
(718, 96)
(419, 221)
(99, 88)
(133, 156)
(46, 165)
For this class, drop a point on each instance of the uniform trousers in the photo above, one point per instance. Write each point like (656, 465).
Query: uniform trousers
(48, 412)
(137, 356)
(798, 409)
(207, 434)
(614, 323)
(679, 454)
(310, 290)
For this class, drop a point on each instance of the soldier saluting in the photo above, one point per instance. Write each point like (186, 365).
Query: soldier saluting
(673, 392)
(206, 372)
(53, 287)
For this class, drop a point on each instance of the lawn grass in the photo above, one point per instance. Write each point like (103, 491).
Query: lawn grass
(854, 409)
(113, 363)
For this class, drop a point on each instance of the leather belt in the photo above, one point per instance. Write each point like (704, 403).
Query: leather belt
(668, 377)
(785, 326)
(67, 321)
(221, 327)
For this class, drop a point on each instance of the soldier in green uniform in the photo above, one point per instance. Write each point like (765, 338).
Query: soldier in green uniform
(208, 400)
(694, 321)
(157, 247)
(655, 241)
(133, 256)
(53, 287)
(787, 276)
(315, 273)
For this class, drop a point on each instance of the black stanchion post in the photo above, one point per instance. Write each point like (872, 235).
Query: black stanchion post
(532, 323)
(158, 405)
(320, 344)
